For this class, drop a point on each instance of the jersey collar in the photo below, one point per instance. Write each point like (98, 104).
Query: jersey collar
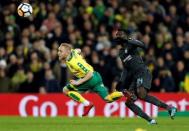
(69, 57)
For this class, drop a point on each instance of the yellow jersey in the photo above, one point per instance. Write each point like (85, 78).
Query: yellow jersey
(77, 64)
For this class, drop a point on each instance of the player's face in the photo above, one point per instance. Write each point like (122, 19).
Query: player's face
(120, 38)
(62, 53)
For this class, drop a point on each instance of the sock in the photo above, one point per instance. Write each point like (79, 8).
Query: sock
(155, 101)
(138, 111)
(86, 103)
(78, 97)
(115, 95)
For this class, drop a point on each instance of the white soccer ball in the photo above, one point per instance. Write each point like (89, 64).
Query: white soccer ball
(24, 10)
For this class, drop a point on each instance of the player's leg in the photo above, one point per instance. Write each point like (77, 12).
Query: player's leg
(100, 89)
(143, 94)
(130, 92)
(138, 111)
(103, 92)
(130, 86)
(132, 106)
(72, 92)
(143, 84)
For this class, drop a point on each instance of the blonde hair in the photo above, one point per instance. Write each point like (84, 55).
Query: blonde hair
(66, 45)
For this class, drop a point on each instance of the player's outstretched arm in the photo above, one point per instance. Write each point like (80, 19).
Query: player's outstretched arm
(78, 50)
(84, 79)
(137, 43)
(121, 80)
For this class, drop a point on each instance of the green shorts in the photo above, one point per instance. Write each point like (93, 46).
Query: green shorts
(94, 84)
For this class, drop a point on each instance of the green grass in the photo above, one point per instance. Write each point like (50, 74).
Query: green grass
(91, 124)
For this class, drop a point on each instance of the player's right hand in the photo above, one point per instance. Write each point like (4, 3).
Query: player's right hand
(74, 82)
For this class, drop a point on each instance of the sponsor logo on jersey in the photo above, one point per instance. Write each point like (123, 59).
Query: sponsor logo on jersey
(128, 58)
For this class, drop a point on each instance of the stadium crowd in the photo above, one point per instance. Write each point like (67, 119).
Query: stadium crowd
(28, 46)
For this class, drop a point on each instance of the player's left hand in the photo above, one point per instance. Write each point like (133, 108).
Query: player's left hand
(74, 82)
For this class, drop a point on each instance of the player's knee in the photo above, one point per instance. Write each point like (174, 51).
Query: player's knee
(128, 103)
(141, 92)
(65, 90)
(108, 99)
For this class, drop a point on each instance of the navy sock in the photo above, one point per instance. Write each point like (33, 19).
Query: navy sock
(138, 111)
(155, 101)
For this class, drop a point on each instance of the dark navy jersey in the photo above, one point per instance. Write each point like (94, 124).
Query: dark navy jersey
(129, 54)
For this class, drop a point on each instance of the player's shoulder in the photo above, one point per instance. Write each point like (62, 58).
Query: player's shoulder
(132, 40)
(74, 55)
(76, 51)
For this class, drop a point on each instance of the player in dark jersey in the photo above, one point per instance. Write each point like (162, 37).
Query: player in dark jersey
(137, 77)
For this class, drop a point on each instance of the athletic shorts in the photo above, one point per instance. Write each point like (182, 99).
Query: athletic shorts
(141, 78)
(94, 84)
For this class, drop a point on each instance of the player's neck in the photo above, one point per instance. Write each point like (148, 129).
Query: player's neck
(62, 61)
(68, 56)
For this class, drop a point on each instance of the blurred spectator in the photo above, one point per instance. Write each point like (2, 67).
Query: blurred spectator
(179, 48)
(50, 83)
(35, 63)
(2, 53)
(10, 47)
(103, 42)
(18, 78)
(99, 9)
(61, 73)
(12, 65)
(156, 83)
(51, 22)
(29, 85)
(186, 59)
(26, 46)
(5, 82)
(167, 83)
(186, 83)
(3, 64)
(12, 27)
(179, 74)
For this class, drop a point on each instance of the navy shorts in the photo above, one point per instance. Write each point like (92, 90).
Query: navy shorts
(141, 78)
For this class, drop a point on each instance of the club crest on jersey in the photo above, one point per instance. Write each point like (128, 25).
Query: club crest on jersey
(128, 58)
(126, 51)
(139, 81)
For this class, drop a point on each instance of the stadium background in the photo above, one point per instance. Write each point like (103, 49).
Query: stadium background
(28, 49)
(28, 46)
(29, 63)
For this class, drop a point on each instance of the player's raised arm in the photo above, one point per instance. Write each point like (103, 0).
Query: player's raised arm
(137, 43)
(78, 50)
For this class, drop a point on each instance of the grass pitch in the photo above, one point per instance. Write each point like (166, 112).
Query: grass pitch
(91, 124)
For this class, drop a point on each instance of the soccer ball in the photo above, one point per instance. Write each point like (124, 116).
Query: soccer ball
(24, 10)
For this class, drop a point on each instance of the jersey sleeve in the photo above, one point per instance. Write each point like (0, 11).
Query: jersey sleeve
(137, 43)
(123, 75)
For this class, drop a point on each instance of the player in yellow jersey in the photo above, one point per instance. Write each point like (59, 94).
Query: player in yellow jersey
(88, 79)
